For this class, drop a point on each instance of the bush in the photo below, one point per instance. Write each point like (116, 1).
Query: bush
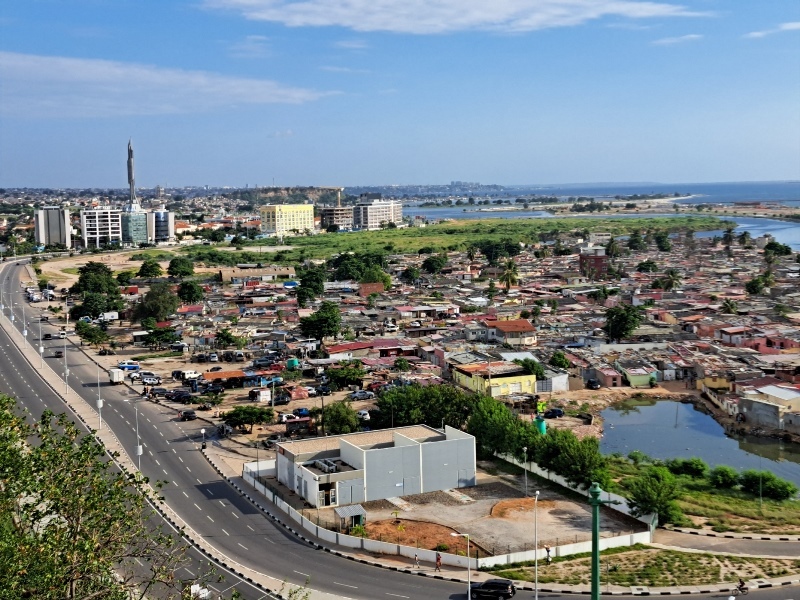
(638, 457)
(767, 485)
(694, 467)
(723, 478)
(442, 548)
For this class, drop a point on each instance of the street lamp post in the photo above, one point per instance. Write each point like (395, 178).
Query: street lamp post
(595, 502)
(66, 368)
(41, 346)
(536, 545)
(203, 432)
(469, 569)
(525, 451)
(99, 401)
(138, 441)
(24, 329)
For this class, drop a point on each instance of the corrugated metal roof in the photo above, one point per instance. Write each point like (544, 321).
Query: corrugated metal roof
(352, 510)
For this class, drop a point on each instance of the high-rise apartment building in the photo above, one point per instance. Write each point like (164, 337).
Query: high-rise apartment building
(340, 216)
(286, 219)
(52, 226)
(161, 225)
(373, 213)
(101, 226)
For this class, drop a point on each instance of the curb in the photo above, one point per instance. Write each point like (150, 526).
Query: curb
(735, 536)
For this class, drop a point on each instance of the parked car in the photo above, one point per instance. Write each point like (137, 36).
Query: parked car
(200, 358)
(553, 413)
(312, 391)
(179, 396)
(323, 390)
(377, 386)
(106, 352)
(159, 391)
(363, 414)
(215, 369)
(137, 375)
(214, 388)
(301, 412)
(415, 324)
(187, 415)
(286, 417)
(128, 365)
(493, 588)
(264, 361)
(593, 384)
(281, 399)
(213, 357)
(151, 380)
(362, 395)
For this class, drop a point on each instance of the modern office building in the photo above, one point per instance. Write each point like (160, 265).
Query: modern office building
(134, 227)
(101, 226)
(161, 225)
(52, 226)
(286, 219)
(340, 216)
(374, 213)
(375, 465)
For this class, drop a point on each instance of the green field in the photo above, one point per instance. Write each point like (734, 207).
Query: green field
(449, 236)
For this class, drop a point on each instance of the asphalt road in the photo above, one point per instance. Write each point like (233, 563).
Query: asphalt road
(194, 490)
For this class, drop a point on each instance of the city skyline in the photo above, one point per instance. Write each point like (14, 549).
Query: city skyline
(235, 92)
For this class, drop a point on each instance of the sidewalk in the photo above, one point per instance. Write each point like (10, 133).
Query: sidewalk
(229, 465)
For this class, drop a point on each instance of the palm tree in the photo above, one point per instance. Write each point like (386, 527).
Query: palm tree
(510, 274)
(770, 259)
(613, 249)
(781, 310)
(472, 252)
(671, 280)
(768, 277)
(544, 252)
(727, 237)
(744, 238)
(729, 307)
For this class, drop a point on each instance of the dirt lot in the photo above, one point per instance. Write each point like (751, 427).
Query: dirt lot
(496, 514)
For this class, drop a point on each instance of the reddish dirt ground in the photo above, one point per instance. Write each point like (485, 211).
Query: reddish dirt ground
(420, 534)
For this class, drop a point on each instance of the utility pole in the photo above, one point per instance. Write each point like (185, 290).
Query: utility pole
(596, 503)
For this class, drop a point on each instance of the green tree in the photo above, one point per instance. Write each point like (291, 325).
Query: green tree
(150, 269)
(621, 320)
(91, 334)
(402, 364)
(410, 274)
(158, 303)
(671, 280)
(350, 373)
(663, 242)
(636, 242)
(180, 266)
(560, 360)
(613, 249)
(728, 237)
(340, 418)
(374, 274)
(755, 286)
(510, 275)
(190, 293)
(71, 525)
(158, 337)
(434, 263)
(312, 280)
(124, 278)
(744, 238)
(226, 338)
(95, 304)
(494, 426)
(723, 478)
(765, 484)
(491, 290)
(729, 306)
(244, 416)
(323, 323)
(429, 405)
(472, 252)
(655, 491)
(531, 367)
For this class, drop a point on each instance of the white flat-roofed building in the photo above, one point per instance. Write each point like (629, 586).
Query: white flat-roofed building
(374, 213)
(101, 226)
(52, 226)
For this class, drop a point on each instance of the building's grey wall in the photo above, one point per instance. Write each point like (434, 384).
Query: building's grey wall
(448, 464)
(392, 472)
(282, 468)
(350, 492)
(350, 454)
(760, 413)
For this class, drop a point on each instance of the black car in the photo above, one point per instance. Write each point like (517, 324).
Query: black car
(281, 399)
(178, 396)
(188, 415)
(553, 413)
(323, 390)
(214, 388)
(593, 384)
(493, 588)
(106, 352)
(47, 336)
(159, 391)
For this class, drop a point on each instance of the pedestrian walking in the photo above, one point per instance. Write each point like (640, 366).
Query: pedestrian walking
(416, 561)
(438, 562)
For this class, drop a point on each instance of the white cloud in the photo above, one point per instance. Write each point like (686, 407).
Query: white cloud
(792, 26)
(286, 133)
(54, 86)
(442, 16)
(352, 44)
(334, 69)
(678, 40)
(253, 46)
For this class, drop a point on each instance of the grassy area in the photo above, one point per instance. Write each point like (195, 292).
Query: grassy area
(450, 236)
(70, 271)
(650, 567)
(153, 253)
(721, 510)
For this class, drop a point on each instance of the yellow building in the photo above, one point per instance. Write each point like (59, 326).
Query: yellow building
(286, 219)
(495, 379)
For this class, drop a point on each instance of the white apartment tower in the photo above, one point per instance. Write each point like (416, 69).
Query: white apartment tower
(101, 226)
(371, 212)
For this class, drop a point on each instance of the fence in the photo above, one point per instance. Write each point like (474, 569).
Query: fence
(254, 474)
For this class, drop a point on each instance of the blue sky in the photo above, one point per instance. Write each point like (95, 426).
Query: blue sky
(358, 92)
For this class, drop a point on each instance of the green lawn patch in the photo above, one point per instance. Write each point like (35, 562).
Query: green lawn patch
(169, 354)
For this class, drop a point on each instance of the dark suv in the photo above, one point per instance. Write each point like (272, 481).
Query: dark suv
(593, 384)
(179, 396)
(493, 588)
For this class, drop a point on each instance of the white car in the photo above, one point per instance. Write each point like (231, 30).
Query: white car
(363, 414)
(415, 324)
(129, 365)
(312, 391)
(137, 375)
(286, 417)
(213, 357)
(151, 380)
(362, 395)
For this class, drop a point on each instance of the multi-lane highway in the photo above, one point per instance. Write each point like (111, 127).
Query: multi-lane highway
(208, 505)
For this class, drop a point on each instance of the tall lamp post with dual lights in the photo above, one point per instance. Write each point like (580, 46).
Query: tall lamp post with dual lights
(469, 566)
